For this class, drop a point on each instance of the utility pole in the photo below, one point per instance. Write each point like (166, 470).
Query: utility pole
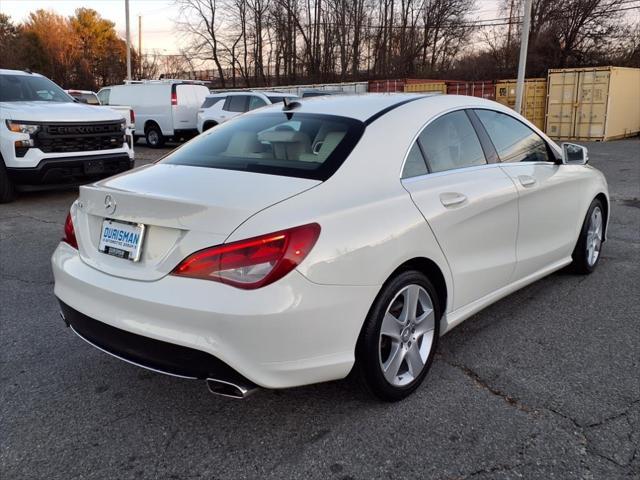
(524, 45)
(510, 23)
(140, 46)
(126, 12)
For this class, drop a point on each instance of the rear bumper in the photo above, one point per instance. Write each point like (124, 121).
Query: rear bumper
(290, 333)
(71, 170)
(148, 353)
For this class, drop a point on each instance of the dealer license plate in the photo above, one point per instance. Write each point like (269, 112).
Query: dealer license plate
(120, 239)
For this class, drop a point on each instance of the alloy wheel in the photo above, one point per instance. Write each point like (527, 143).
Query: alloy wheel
(594, 236)
(406, 335)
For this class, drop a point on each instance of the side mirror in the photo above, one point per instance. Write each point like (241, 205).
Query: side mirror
(573, 154)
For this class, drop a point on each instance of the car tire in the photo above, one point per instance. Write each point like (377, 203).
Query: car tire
(394, 353)
(208, 126)
(153, 136)
(7, 191)
(588, 250)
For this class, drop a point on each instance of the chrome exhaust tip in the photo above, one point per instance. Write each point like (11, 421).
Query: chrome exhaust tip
(230, 390)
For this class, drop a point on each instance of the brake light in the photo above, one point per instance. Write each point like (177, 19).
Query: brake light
(132, 116)
(254, 262)
(174, 98)
(69, 232)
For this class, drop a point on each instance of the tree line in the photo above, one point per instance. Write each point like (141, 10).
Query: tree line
(275, 42)
(262, 42)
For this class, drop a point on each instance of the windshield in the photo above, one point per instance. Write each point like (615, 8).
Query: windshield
(290, 144)
(28, 88)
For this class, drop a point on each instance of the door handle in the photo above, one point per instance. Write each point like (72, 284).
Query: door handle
(452, 199)
(527, 181)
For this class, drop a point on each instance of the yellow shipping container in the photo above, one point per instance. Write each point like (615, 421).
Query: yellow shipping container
(534, 99)
(598, 103)
(426, 87)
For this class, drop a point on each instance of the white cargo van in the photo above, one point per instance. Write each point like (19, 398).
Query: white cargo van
(163, 108)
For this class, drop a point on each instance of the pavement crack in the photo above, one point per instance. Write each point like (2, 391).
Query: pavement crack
(480, 382)
(579, 429)
(614, 416)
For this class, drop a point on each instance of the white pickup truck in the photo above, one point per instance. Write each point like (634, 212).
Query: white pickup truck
(47, 138)
(90, 98)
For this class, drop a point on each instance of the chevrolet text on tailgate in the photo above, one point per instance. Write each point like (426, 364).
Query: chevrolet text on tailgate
(47, 138)
(304, 240)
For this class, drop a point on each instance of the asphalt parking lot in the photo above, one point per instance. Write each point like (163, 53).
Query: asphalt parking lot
(544, 384)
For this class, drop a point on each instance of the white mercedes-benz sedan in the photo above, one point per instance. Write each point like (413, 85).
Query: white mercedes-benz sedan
(302, 241)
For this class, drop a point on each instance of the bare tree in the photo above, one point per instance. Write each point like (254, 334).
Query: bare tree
(198, 20)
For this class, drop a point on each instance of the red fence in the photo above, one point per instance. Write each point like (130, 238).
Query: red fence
(482, 89)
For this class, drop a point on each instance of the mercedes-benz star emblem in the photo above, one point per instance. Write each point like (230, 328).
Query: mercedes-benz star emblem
(109, 204)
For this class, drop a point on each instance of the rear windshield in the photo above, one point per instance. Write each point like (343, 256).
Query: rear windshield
(89, 98)
(280, 99)
(289, 144)
(211, 101)
(29, 88)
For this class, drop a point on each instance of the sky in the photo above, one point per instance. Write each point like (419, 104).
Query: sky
(158, 33)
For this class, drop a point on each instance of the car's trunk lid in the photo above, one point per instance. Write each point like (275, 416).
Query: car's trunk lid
(183, 209)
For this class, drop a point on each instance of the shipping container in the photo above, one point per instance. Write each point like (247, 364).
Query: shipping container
(484, 89)
(385, 86)
(426, 86)
(534, 98)
(598, 103)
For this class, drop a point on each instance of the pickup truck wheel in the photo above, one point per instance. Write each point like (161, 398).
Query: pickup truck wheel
(7, 192)
(153, 136)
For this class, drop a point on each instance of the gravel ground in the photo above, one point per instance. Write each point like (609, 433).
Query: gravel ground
(542, 385)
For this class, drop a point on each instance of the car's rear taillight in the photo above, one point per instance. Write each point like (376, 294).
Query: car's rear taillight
(174, 98)
(69, 232)
(254, 262)
(132, 116)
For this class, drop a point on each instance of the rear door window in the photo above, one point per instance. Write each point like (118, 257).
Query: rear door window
(256, 102)
(284, 143)
(236, 103)
(211, 101)
(415, 165)
(451, 142)
(513, 140)
(103, 95)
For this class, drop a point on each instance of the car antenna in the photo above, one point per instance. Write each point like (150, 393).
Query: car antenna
(288, 104)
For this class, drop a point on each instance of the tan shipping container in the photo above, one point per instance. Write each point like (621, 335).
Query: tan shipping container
(534, 99)
(598, 103)
(440, 87)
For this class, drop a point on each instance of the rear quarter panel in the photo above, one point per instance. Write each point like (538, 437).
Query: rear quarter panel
(369, 224)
